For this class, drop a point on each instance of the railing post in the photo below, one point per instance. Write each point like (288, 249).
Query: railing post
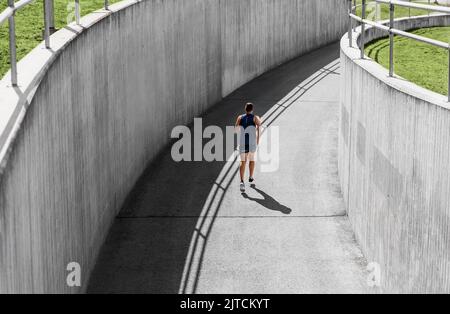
(448, 91)
(391, 39)
(377, 11)
(77, 11)
(350, 23)
(363, 28)
(52, 16)
(409, 9)
(12, 45)
(106, 5)
(47, 22)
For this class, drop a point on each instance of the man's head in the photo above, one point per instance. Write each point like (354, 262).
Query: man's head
(248, 107)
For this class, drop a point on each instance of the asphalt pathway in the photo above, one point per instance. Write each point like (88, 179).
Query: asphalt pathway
(186, 228)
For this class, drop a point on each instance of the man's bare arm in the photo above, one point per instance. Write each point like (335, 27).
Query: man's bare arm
(237, 124)
(258, 128)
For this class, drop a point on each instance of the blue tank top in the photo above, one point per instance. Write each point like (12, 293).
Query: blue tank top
(247, 120)
(247, 143)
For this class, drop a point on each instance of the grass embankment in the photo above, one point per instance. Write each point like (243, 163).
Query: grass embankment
(420, 63)
(30, 23)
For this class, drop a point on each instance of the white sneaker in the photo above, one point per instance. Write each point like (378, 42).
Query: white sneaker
(242, 187)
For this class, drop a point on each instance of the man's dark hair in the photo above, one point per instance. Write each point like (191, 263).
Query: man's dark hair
(248, 107)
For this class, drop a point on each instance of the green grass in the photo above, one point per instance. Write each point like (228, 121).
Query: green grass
(30, 23)
(420, 63)
(384, 11)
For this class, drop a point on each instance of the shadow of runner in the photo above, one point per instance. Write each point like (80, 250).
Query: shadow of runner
(267, 201)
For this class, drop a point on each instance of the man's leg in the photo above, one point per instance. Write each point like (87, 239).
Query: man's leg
(252, 164)
(242, 167)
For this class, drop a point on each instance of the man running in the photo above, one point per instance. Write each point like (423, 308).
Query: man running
(249, 128)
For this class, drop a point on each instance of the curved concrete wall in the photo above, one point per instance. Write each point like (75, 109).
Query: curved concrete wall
(394, 152)
(106, 106)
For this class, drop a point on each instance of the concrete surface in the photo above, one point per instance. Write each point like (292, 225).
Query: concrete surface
(394, 148)
(90, 114)
(187, 228)
(260, 34)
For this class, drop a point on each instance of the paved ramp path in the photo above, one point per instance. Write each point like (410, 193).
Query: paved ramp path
(187, 228)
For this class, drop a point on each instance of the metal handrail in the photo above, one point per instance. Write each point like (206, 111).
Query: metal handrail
(393, 31)
(9, 15)
(356, 6)
(412, 5)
